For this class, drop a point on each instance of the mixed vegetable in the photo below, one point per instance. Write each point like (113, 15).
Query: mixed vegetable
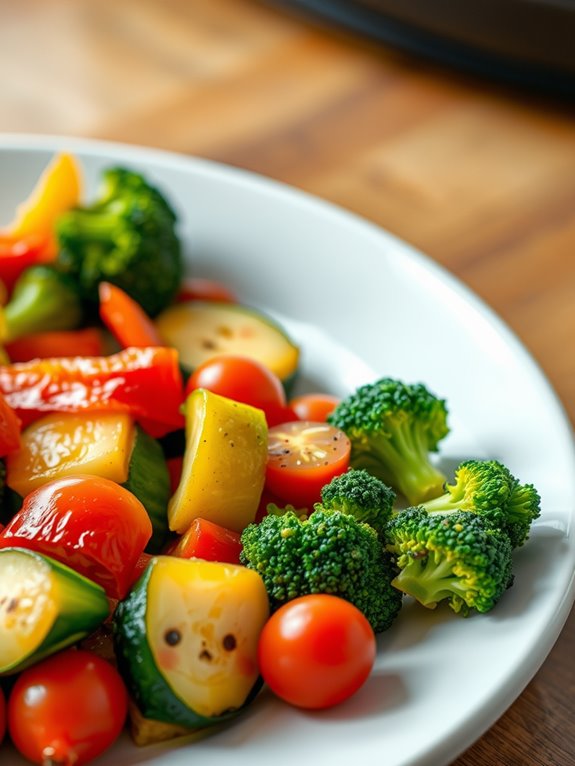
(175, 529)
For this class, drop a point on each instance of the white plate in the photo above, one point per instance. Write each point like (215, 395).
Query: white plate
(363, 303)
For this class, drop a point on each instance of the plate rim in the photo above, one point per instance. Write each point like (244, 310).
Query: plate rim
(484, 716)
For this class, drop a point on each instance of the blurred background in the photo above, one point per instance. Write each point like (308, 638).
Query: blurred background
(451, 127)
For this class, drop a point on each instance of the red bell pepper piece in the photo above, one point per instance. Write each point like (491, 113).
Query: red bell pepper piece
(146, 382)
(9, 428)
(45, 345)
(126, 319)
(17, 253)
(208, 541)
(92, 525)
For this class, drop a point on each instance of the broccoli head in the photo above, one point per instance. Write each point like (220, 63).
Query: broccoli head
(457, 558)
(488, 488)
(329, 552)
(43, 299)
(393, 427)
(523, 508)
(126, 237)
(361, 495)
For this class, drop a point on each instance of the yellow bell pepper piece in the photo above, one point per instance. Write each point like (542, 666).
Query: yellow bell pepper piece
(58, 189)
(224, 464)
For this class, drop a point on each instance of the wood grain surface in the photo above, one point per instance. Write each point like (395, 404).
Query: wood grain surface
(480, 177)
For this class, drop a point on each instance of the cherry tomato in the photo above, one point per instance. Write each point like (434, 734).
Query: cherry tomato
(303, 456)
(243, 380)
(314, 406)
(201, 289)
(67, 709)
(2, 716)
(316, 651)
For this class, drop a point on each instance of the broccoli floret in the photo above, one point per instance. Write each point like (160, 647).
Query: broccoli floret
(457, 558)
(523, 508)
(361, 495)
(126, 237)
(43, 299)
(393, 427)
(488, 488)
(330, 552)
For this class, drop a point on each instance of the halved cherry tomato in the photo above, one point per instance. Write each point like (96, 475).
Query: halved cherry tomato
(92, 525)
(303, 456)
(208, 541)
(126, 319)
(9, 428)
(44, 345)
(201, 289)
(67, 709)
(243, 380)
(316, 651)
(314, 406)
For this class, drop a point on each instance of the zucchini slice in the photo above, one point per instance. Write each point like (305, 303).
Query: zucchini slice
(186, 640)
(44, 607)
(149, 480)
(200, 330)
(224, 464)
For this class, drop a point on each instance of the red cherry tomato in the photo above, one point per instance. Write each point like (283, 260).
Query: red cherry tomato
(2, 716)
(303, 456)
(200, 289)
(316, 651)
(243, 380)
(67, 709)
(314, 406)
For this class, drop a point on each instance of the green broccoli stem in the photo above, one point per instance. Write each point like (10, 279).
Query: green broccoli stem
(428, 582)
(92, 224)
(402, 462)
(43, 300)
(444, 504)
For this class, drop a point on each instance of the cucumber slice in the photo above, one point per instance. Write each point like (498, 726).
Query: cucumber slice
(44, 607)
(200, 330)
(186, 640)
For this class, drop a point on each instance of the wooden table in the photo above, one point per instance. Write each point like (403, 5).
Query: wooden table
(480, 177)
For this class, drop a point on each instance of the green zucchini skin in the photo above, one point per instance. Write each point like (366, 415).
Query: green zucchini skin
(148, 688)
(149, 480)
(84, 607)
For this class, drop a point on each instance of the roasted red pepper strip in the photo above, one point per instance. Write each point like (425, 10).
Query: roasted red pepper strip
(146, 382)
(208, 541)
(9, 428)
(92, 525)
(126, 319)
(44, 345)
